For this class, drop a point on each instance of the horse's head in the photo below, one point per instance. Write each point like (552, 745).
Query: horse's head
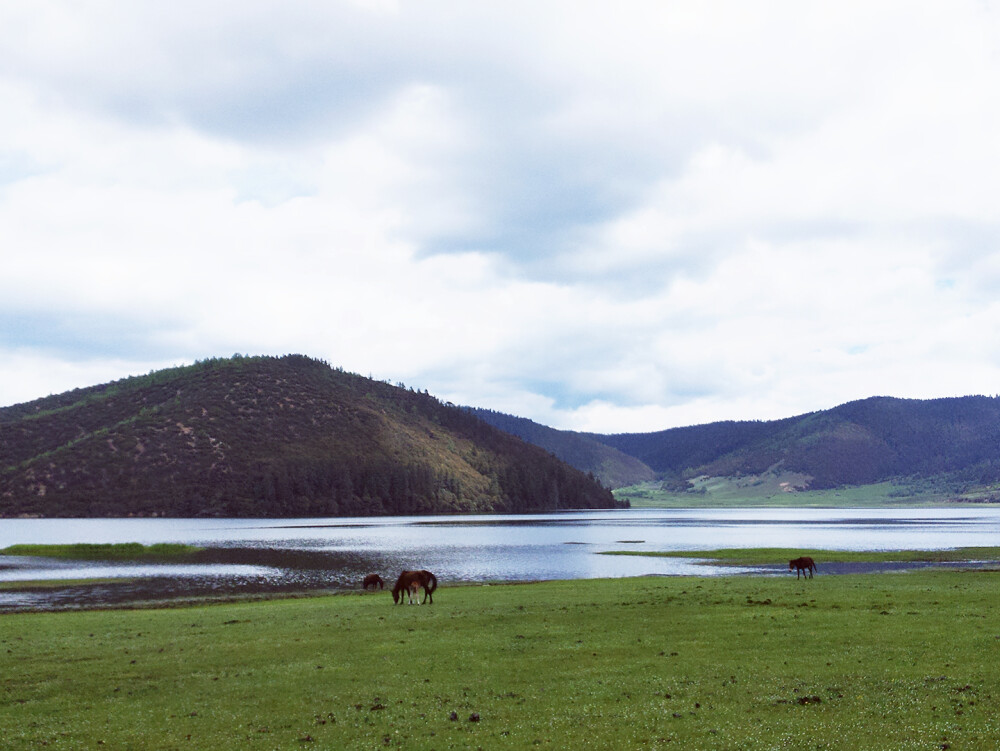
(791, 565)
(395, 596)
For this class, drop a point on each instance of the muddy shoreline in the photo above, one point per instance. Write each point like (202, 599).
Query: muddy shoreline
(303, 573)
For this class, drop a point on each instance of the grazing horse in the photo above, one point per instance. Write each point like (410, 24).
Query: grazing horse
(804, 565)
(411, 581)
(373, 580)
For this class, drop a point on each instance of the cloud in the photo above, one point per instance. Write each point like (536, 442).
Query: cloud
(601, 218)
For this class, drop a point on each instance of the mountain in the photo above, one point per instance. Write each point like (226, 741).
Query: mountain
(269, 437)
(614, 468)
(861, 442)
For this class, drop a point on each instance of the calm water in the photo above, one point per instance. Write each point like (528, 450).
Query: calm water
(255, 555)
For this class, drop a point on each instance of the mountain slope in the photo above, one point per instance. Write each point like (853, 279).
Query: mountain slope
(266, 436)
(859, 442)
(612, 467)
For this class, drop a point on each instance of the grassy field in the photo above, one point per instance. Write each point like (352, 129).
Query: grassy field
(121, 551)
(56, 583)
(756, 556)
(900, 661)
(784, 490)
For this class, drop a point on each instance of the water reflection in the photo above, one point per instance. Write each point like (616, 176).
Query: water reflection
(256, 555)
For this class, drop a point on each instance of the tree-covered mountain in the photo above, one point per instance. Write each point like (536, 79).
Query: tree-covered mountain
(264, 436)
(614, 468)
(857, 443)
(860, 442)
(291, 436)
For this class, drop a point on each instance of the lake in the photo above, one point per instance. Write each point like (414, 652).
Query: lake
(271, 555)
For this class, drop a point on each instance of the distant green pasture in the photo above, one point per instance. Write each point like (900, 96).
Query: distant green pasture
(756, 556)
(59, 583)
(128, 551)
(783, 490)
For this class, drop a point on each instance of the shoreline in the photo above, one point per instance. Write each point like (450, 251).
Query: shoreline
(49, 596)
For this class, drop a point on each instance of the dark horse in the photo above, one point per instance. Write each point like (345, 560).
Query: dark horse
(373, 580)
(804, 565)
(411, 581)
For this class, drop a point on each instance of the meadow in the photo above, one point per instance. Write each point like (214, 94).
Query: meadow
(891, 661)
(786, 490)
(758, 556)
(118, 551)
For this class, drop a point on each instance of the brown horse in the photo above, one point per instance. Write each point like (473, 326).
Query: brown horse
(411, 581)
(373, 580)
(804, 565)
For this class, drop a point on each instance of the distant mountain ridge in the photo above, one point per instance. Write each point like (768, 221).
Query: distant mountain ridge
(613, 467)
(292, 436)
(861, 442)
(269, 437)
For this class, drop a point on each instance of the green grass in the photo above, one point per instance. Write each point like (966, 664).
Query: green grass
(768, 490)
(900, 661)
(58, 583)
(126, 551)
(752, 556)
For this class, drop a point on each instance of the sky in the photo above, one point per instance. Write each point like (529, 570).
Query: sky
(610, 217)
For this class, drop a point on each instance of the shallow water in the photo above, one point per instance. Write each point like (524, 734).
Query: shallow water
(248, 556)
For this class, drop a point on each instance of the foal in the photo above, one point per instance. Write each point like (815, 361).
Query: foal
(413, 592)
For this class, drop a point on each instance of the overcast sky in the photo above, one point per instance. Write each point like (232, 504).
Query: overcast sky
(603, 216)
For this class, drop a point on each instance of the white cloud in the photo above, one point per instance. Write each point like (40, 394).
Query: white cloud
(601, 218)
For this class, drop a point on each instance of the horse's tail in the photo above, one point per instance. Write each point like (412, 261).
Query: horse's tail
(432, 582)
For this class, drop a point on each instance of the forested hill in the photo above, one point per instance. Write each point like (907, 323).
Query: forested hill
(860, 442)
(857, 443)
(268, 437)
(612, 467)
